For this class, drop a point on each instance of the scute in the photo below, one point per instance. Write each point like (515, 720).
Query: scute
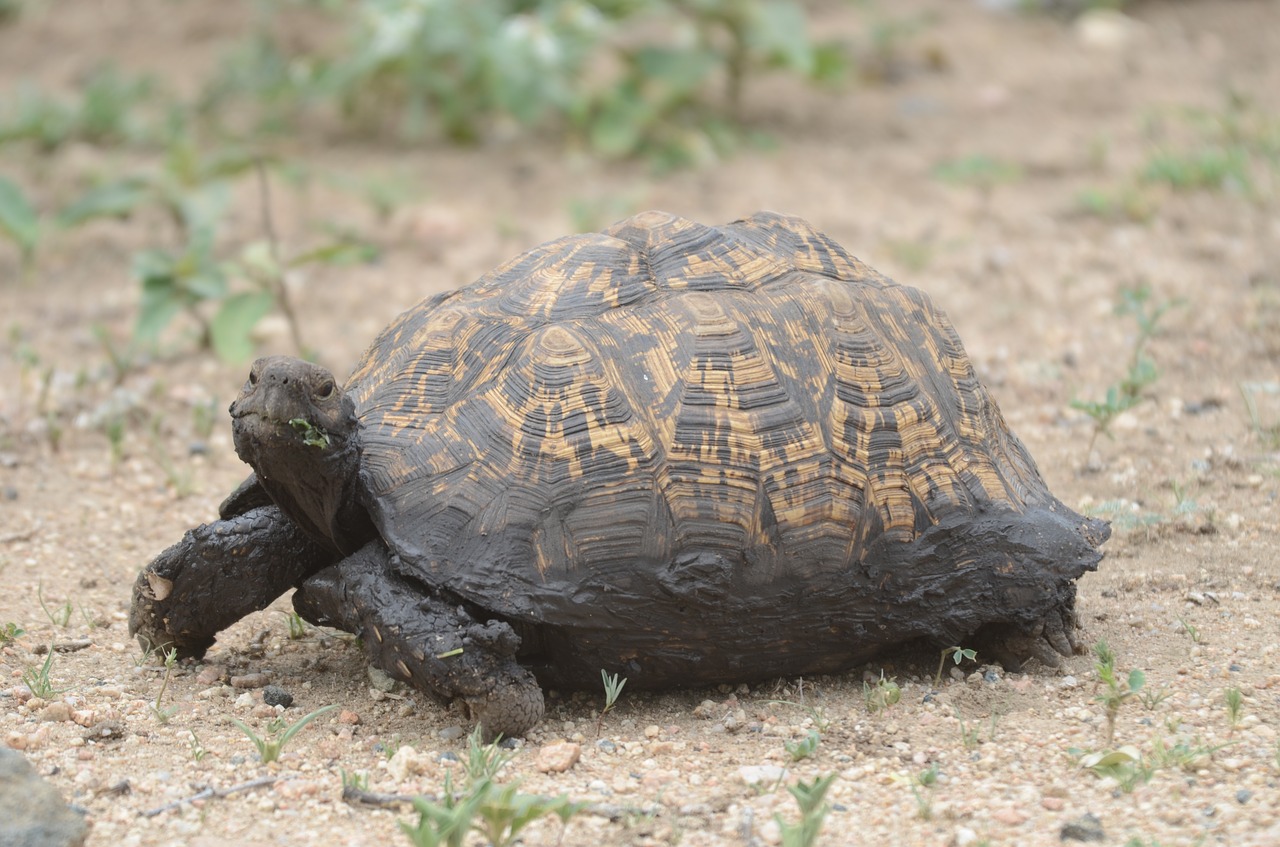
(744, 418)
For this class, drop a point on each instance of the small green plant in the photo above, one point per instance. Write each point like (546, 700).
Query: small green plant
(958, 655)
(968, 734)
(180, 478)
(811, 798)
(484, 760)
(61, 616)
(880, 696)
(981, 171)
(357, 780)
(1124, 765)
(38, 681)
(197, 748)
(297, 626)
(498, 813)
(805, 747)
(921, 789)
(1267, 433)
(270, 748)
(18, 221)
(1214, 168)
(1142, 371)
(161, 713)
(1183, 754)
(1191, 630)
(1234, 702)
(11, 632)
(817, 714)
(1151, 698)
(613, 684)
(1116, 691)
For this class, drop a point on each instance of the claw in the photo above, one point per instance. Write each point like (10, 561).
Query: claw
(1055, 634)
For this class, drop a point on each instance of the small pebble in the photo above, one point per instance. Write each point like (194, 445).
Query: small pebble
(274, 695)
(250, 680)
(56, 712)
(451, 733)
(1087, 827)
(761, 774)
(558, 757)
(348, 717)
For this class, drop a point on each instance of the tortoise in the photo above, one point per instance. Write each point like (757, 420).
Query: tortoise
(683, 454)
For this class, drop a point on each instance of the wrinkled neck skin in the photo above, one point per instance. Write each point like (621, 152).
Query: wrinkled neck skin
(299, 431)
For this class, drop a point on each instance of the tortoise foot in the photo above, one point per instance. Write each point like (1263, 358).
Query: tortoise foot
(1049, 640)
(419, 638)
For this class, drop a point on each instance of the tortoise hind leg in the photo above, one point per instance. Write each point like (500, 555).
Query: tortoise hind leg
(417, 637)
(1053, 637)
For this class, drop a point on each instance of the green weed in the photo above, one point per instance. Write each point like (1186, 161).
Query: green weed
(279, 734)
(921, 789)
(297, 626)
(196, 747)
(1268, 433)
(1192, 631)
(612, 688)
(958, 655)
(805, 747)
(59, 616)
(1234, 702)
(811, 798)
(1116, 691)
(38, 680)
(880, 696)
(1207, 168)
(11, 632)
(161, 713)
(498, 812)
(1124, 765)
(981, 171)
(1124, 395)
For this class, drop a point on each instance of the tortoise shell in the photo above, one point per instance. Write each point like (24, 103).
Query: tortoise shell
(714, 452)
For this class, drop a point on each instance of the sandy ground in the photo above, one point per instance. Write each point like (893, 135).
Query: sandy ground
(1188, 592)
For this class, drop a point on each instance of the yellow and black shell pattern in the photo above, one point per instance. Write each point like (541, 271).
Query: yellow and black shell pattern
(657, 439)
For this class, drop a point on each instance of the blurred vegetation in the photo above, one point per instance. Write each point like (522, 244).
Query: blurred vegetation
(661, 78)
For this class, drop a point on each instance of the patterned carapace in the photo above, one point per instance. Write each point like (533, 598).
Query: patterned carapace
(661, 387)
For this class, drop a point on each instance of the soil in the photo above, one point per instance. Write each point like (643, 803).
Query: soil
(1188, 592)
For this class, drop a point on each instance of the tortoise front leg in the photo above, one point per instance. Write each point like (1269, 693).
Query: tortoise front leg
(417, 637)
(217, 574)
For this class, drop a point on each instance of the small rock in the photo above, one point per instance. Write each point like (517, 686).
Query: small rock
(707, 710)
(558, 757)
(348, 717)
(31, 811)
(451, 733)
(407, 762)
(262, 710)
(963, 837)
(761, 774)
(1105, 29)
(1009, 817)
(1053, 804)
(1243, 796)
(380, 680)
(103, 730)
(604, 745)
(211, 674)
(274, 695)
(249, 680)
(652, 731)
(57, 712)
(295, 789)
(1087, 827)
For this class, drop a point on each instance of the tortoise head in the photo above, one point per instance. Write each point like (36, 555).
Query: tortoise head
(297, 428)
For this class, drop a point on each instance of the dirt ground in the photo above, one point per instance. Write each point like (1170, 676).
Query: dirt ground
(1188, 592)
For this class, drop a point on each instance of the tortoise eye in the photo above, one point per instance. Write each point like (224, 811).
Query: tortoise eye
(326, 390)
(253, 376)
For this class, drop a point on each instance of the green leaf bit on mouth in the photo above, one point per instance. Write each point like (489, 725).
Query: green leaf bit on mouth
(312, 436)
